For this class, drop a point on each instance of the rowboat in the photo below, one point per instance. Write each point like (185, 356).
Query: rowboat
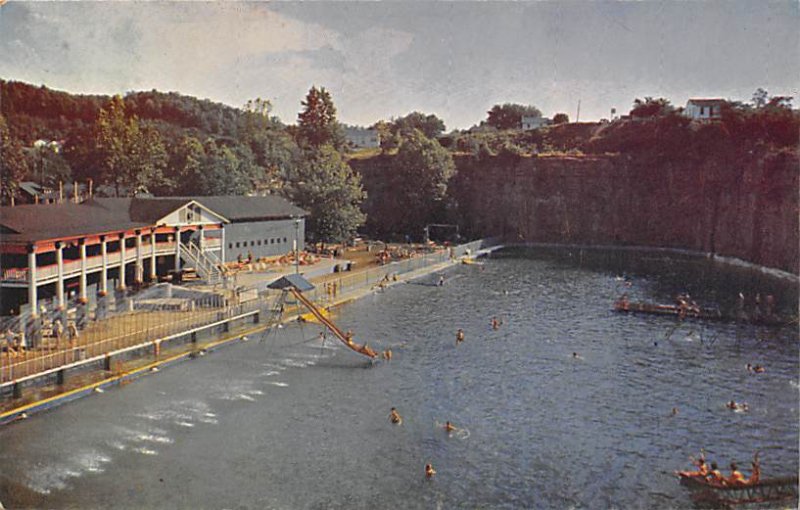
(768, 490)
(625, 306)
(694, 312)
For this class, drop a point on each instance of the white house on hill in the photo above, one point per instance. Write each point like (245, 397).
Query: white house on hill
(534, 122)
(362, 138)
(704, 109)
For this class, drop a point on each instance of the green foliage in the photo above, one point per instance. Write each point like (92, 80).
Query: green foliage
(509, 115)
(430, 125)
(418, 176)
(649, 107)
(226, 170)
(131, 156)
(316, 124)
(325, 186)
(560, 118)
(13, 164)
(48, 166)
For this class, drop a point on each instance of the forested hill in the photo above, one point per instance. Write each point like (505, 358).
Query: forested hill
(36, 113)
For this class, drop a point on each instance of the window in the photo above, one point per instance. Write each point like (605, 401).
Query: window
(252, 243)
(230, 246)
(284, 239)
(237, 244)
(272, 241)
(259, 242)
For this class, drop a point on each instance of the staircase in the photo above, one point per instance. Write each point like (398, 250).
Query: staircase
(206, 264)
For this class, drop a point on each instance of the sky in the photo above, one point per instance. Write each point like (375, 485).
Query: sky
(385, 59)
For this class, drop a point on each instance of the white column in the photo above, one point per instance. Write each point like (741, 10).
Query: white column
(60, 282)
(104, 273)
(82, 279)
(122, 261)
(222, 246)
(202, 242)
(153, 255)
(32, 298)
(139, 273)
(177, 249)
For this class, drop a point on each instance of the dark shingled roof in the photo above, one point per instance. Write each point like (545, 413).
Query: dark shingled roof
(239, 208)
(27, 223)
(706, 102)
(54, 221)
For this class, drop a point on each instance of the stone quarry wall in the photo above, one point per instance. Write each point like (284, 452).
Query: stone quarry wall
(750, 214)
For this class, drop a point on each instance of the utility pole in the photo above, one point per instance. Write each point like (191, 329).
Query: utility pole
(578, 116)
(297, 245)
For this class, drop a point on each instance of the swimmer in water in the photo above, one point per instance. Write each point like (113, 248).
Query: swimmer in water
(387, 354)
(459, 336)
(449, 427)
(495, 323)
(575, 355)
(674, 411)
(395, 417)
(441, 281)
(429, 471)
(759, 369)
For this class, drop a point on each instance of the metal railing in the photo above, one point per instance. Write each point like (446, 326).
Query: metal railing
(93, 263)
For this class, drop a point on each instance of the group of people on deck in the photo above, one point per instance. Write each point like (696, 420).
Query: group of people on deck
(713, 476)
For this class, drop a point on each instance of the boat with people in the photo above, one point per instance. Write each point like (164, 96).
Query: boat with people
(768, 490)
(690, 310)
(681, 310)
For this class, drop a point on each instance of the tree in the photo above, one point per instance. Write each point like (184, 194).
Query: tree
(420, 173)
(430, 125)
(326, 187)
(186, 160)
(13, 164)
(760, 98)
(316, 124)
(147, 160)
(227, 170)
(649, 107)
(509, 115)
(560, 118)
(131, 155)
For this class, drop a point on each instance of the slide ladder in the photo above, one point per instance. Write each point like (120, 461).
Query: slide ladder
(366, 351)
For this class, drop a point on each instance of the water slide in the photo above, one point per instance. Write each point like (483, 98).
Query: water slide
(361, 349)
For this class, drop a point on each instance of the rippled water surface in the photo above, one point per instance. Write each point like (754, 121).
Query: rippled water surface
(290, 423)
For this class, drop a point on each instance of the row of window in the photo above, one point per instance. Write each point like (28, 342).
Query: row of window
(257, 242)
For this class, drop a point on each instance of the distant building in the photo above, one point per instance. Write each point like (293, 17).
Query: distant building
(54, 145)
(529, 122)
(704, 109)
(362, 138)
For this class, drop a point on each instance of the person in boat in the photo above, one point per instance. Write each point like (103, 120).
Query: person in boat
(714, 476)
(736, 478)
(449, 427)
(755, 475)
(623, 303)
(429, 471)
(395, 417)
(758, 369)
(459, 336)
(701, 472)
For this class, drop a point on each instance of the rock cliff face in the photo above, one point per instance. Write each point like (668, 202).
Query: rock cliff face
(750, 213)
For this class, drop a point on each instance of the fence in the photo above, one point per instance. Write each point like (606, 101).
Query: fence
(84, 332)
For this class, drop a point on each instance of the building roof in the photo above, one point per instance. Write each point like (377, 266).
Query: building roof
(292, 280)
(239, 208)
(707, 102)
(29, 223)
